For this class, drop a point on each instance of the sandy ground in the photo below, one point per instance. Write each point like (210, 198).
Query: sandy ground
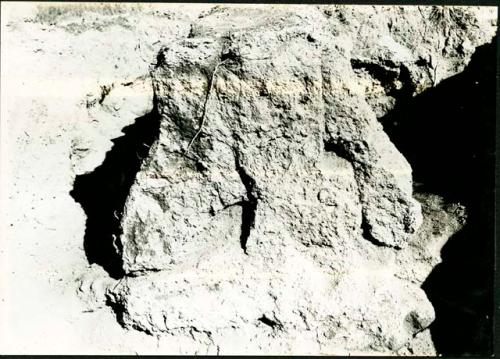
(49, 65)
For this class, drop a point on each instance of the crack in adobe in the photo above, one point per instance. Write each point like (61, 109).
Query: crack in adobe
(248, 206)
(105, 90)
(211, 79)
(273, 323)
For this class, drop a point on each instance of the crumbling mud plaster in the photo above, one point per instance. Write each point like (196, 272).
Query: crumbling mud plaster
(273, 211)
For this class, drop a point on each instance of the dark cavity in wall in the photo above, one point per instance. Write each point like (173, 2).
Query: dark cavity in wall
(249, 206)
(102, 193)
(448, 136)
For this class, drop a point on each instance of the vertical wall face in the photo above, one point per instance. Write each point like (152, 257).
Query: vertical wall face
(271, 164)
(261, 199)
(265, 123)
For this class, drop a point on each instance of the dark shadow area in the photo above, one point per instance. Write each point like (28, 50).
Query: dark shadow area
(249, 207)
(270, 322)
(448, 136)
(102, 193)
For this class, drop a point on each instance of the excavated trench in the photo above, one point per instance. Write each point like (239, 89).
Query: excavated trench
(448, 136)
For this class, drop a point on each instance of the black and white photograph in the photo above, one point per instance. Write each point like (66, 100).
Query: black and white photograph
(247, 179)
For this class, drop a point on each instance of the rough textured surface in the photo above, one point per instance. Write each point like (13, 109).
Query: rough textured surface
(272, 214)
(273, 205)
(48, 136)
